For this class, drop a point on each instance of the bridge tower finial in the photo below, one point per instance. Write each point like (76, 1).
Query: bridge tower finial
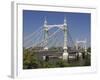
(45, 21)
(65, 21)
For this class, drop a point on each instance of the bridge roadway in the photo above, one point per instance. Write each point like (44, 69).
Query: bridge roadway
(52, 53)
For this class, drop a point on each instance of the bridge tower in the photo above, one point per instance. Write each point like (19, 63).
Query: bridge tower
(65, 53)
(84, 46)
(62, 27)
(45, 34)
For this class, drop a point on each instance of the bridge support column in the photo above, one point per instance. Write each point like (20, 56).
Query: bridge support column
(65, 54)
(85, 48)
(80, 56)
(45, 35)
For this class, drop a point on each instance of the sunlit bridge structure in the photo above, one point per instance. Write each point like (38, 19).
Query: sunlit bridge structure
(53, 40)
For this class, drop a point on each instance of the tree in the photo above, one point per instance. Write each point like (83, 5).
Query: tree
(30, 60)
(89, 50)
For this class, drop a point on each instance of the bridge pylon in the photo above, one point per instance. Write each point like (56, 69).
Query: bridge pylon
(84, 47)
(65, 53)
(45, 34)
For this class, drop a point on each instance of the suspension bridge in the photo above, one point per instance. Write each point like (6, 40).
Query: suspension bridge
(54, 40)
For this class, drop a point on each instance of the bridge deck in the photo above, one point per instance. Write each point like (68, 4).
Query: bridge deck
(55, 54)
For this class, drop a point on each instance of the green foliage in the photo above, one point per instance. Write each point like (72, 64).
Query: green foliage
(61, 63)
(87, 60)
(30, 60)
(89, 50)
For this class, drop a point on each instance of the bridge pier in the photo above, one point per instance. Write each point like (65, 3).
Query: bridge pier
(85, 49)
(80, 56)
(65, 54)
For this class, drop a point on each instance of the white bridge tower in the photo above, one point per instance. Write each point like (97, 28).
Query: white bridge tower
(65, 54)
(46, 34)
(84, 45)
